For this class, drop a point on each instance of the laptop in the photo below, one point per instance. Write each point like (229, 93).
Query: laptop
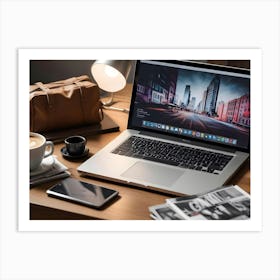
(188, 130)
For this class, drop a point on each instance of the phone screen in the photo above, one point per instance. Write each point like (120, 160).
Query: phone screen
(82, 192)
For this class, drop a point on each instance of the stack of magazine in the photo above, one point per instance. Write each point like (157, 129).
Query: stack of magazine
(51, 171)
(224, 203)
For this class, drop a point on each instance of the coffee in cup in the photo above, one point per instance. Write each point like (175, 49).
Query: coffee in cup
(75, 145)
(39, 148)
(35, 141)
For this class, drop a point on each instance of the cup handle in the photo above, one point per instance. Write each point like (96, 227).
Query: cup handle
(51, 149)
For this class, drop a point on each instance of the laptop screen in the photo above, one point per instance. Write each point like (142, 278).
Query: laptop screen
(192, 100)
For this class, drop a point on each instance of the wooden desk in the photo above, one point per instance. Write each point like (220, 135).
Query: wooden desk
(133, 202)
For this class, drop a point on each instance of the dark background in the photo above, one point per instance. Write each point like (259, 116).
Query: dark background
(46, 71)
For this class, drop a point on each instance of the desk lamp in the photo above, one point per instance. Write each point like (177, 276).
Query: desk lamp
(110, 76)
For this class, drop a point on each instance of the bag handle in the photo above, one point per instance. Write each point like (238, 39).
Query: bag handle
(101, 114)
(61, 83)
(46, 90)
(78, 83)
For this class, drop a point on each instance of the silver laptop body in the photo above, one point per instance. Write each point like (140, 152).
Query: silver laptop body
(187, 105)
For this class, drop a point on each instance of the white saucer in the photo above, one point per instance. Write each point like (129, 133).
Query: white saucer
(46, 165)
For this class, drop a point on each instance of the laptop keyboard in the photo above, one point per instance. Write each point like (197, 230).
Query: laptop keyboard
(173, 154)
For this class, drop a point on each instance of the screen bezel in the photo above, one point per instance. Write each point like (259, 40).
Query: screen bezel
(192, 64)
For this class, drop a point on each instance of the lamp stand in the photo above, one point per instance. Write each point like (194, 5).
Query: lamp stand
(110, 101)
(107, 104)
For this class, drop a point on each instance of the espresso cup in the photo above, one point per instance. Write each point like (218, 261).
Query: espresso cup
(39, 149)
(75, 145)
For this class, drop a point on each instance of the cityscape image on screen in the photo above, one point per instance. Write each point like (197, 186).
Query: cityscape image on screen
(197, 103)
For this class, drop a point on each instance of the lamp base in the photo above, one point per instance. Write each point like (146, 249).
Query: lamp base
(115, 108)
(107, 100)
(106, 104)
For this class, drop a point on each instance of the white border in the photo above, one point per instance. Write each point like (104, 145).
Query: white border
(24, 57)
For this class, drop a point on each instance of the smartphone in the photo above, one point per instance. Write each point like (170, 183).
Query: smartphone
(82, 193)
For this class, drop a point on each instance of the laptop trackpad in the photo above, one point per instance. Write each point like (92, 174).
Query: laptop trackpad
(153, 173)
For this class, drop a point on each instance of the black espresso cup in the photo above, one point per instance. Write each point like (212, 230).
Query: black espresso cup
(75, 145)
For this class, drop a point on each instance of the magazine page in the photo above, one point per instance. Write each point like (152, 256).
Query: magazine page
(164, 212)
(225, 203)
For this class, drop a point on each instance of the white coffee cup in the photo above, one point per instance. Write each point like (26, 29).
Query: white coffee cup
(39, 149)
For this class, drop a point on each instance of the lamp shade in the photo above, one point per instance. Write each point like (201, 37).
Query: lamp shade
(111, 75)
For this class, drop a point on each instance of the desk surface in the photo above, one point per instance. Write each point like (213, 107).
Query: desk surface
(133, 202)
